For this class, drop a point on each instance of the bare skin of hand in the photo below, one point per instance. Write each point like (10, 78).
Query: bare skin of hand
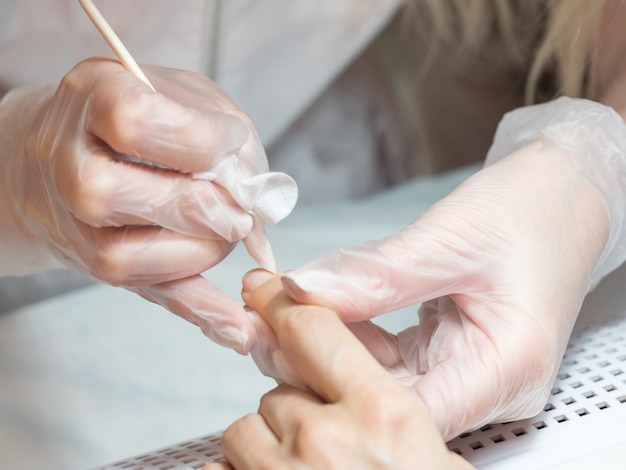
(352, 413)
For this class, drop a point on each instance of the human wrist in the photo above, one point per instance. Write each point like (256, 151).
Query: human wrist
(593, 136)
(22, 250)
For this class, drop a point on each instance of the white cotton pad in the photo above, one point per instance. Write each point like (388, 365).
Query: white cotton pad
(268, 197)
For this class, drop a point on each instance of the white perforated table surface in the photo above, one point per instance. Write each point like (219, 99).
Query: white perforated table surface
(586, 414)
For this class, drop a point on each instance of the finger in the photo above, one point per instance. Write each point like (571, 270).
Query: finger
(322, 351)
(198, 301)
(359, 283)
(265, 351)
(135, 121)
(248, 443)
(285, 410)
(430, 258)
(107, 192)
(134, 256)
(380, 343)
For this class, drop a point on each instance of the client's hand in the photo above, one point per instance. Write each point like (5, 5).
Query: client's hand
(349, 413)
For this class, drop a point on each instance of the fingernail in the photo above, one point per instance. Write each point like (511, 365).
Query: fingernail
(232, 338)
(291, 287)
(235, 133)
(301, 287)
(253, 279)
(313, 290)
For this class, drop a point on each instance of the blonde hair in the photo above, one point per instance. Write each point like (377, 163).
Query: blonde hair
(547, 38)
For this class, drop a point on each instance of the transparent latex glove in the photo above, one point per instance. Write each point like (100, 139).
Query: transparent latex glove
(349, 414)
(138, 189)
(500, 266)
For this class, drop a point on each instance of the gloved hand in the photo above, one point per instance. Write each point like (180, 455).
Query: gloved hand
(138, 189)
(500, 266)
(350, 414)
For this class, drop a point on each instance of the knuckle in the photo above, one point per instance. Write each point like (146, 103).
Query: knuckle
(109, 272)
(109, 261)
(313, 433)
(71, 81)
(321, 441)
(83, 75)
(233, 430)
(127, 118)
(384, 410)
(265, 401)
(74, 79)
(89, 193)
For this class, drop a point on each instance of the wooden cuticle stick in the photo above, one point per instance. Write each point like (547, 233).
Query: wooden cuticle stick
(113, 41)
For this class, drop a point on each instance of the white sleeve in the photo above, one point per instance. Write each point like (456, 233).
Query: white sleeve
(277, 57)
